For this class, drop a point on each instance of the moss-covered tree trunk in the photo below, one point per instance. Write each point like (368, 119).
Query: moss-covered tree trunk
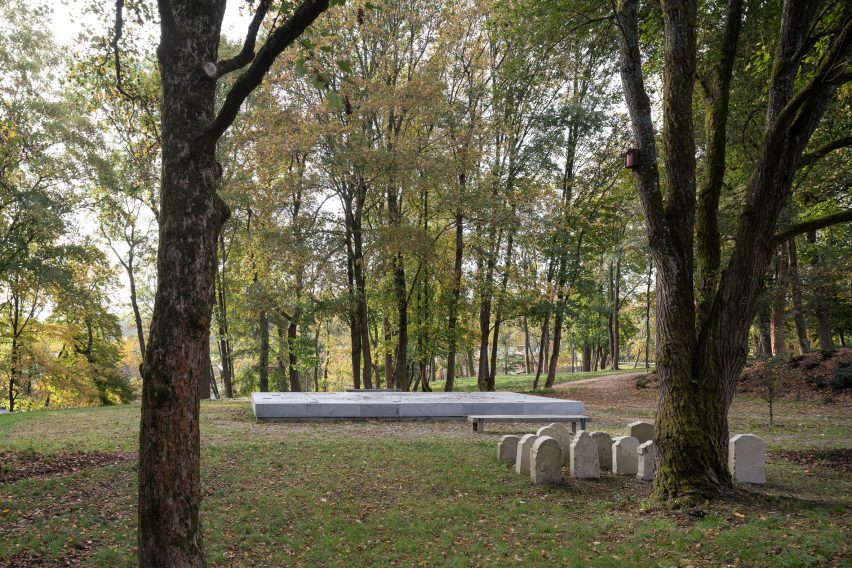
(701, 345)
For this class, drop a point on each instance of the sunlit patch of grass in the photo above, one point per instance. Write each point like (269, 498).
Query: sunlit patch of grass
(524, 383)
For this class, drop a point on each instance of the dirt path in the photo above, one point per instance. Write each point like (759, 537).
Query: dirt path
(603, 382)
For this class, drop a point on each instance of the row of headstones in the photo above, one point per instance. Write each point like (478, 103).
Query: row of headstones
(542, 455)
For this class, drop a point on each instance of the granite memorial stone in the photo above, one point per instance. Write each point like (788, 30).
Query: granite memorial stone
(545, 461)
(507, 448)
(604, 443)
(584, 457)
(640, 430)
(625, 457)
(522, 459)
(647, 462)
(747, 459)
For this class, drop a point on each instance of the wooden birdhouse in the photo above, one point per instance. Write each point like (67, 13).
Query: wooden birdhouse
(632, 161)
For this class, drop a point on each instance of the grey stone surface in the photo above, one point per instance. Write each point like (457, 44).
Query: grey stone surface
(604, 443)
(522, 459)
(546, 461)
(561, 434)
(747, 459)
(584, 457)
(625, 457)
(647, 462)
(389, 404)
(507, 448)
(642, 431)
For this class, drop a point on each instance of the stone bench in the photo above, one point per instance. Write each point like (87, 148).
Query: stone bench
(479, 420)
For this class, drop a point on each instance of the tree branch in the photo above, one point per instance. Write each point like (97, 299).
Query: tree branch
(813, 225)
(245, 56)
(305, 14)
(647, 174)
(818, 154)
(116, 37)
(829, 74)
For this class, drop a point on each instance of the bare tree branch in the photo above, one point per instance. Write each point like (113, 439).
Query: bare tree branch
(245, 56)
(305, 14)
(813, 225)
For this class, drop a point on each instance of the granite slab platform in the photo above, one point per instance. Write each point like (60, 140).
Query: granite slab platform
(403, 405)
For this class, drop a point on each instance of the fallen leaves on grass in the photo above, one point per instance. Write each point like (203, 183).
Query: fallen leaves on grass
(839, 459)
(15, 466)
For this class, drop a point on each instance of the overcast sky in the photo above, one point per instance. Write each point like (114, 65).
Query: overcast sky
(67, 21)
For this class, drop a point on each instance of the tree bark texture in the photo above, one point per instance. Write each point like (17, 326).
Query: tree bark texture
(699, 357)
(190, 218)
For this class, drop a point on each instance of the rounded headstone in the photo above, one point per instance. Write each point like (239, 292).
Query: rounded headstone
(604, 443)
(522, 459)
(561, 435)
(507, 448)
(642, 431)
(625, 459)
(584, 457)
(546, 461)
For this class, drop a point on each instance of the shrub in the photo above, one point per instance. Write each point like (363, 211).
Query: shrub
(842, 378)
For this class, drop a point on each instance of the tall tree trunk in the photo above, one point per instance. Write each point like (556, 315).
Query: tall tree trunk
(263, 362)
(587, 357)
(14, 352)
(283, 362)
(779, 301)
(700, 358)
(796, 287)
(764, 316)
(354, 321)
(543, 348)
(362, 320)
(222, 321)
(134, 304)
(573, 354)
(557, 341)
(454, 300)
(484, 332)
(190, 217)
(295, 382)
(499, 311)
(615, 347)
(386, 328)
(826, 342)
(395, 220)
(648, 314)
(527, 362)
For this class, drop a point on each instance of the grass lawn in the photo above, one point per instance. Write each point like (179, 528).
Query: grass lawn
(524, 383)
(419, 494)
